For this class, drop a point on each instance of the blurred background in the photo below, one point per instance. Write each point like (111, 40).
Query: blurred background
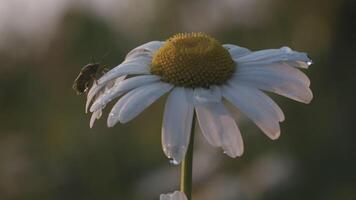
(48, 151)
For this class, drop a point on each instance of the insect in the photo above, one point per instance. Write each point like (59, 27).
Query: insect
(87, 75)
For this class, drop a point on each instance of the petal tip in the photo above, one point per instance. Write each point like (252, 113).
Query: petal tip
(87, 107)
(234, 154)
(123, 121)
(93, 107)
(308, 98)
(174, 158)
(240, 152)
(175, 162)
(275, 135)
(111, 122)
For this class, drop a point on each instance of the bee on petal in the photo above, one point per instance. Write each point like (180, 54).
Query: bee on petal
(87, 75)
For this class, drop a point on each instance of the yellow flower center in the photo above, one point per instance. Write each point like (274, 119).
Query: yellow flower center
(193, 60)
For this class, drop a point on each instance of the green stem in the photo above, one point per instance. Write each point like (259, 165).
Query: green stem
(186, 177)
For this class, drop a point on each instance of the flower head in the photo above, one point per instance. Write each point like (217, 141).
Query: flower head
(200, 74)
(192, 60)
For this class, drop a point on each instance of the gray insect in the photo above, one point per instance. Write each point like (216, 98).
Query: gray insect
(87, 75)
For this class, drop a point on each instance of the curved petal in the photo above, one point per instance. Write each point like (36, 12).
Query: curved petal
(99, 91)
(123, 69)
(177, 195)
(177, 123)
(284, 54)
(299, 64)
(143, 59)
(131, 68)
(146, 49)
(279, 70)
(96, 115)
(219, 128)
(236, 51)
(253, 104)
(134, 102)
(278, 78)
(121, 88)
(202, 95)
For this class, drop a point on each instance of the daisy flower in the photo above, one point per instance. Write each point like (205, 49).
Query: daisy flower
(177, 195)
(200, 75)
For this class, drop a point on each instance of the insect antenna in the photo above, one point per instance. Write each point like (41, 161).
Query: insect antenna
(102, 59)
(104, 56)
(92, 59)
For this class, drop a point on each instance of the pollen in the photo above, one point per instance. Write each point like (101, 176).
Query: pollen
(193, 60)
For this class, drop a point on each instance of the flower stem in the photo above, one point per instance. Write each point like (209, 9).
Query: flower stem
(186, 177)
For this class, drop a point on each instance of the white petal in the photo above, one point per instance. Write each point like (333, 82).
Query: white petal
(277, 78)
(164, 197)
(96, 115)
(121, 88)
(134, 102)
(299, 64)
(146, 49)
(177, 123)
(131, 68)
(279, 70)
(113, 117)
(201, 95)
(270, 106)
(100, 91)
(124, 69)
(219, 128)
(284, 54)
(177, 195)
(236, 51)
(255, 107)
(91, 95)
(136, 62)
(143, 59)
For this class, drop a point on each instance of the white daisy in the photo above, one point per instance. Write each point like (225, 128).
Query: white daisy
(177, 195)
(200, 74)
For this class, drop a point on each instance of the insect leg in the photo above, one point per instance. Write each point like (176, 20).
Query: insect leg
(105, 69)
(94, 78)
